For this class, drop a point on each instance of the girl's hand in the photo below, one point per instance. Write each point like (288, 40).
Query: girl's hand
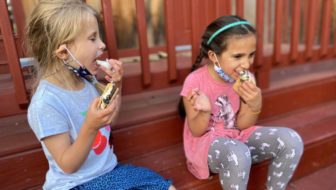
(251, 94)
(116, 73)
(96, 118)
(198, 100)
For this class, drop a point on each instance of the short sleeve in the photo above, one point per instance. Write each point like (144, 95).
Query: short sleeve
(190, 83)
(45, 120)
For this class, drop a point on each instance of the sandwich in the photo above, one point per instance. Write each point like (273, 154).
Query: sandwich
(108, 95)
(243, 76)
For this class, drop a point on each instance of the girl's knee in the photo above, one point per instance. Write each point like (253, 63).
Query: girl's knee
(227, 152)
(291, 140)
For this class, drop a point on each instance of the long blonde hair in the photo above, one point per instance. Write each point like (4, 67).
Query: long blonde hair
(52, 23)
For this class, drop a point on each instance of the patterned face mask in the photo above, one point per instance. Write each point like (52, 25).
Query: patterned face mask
(81, 71)
(220, 72)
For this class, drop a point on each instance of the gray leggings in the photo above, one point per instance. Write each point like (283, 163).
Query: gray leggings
(232, 159)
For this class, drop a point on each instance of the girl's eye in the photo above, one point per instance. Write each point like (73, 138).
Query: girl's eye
(237, 56)
(252, 54)
(93, 39)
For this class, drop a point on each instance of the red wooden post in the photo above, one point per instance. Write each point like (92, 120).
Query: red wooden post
(111, 41)
(240, 8)
(295, 29)
(223, 7)
(195, 36)
(169, 22)
(285, 21)
(262, 68)
(260, 33)
(142, 33)
(326, 21)
(19, 19)
(12, 55)
(277, 32)
(310, 28)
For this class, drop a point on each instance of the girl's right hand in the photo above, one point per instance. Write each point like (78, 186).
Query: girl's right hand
(198, 100)
(97, 118)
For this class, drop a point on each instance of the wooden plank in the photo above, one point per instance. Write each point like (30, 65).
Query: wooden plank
(111, 41)
(296, 4)
(310, 28)
(240, 8)
(195, 34)
(277, 32)
(260, 33)
(19, 19)
(143, 44)
(12, 55)
(262, 67)
(285, 29)
(326, 22)
(170, 40)
(23, 170)
(129, 142)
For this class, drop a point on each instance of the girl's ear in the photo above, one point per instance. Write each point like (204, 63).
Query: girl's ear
(211, 55)
(62, 53)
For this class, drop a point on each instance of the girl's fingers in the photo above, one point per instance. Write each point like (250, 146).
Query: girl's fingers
(115, 73)
(94, 103)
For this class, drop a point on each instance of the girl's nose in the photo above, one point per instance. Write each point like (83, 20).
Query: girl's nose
(102, 45)
(245, 64)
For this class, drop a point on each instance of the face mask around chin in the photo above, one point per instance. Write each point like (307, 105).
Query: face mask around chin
(81, 71)
(221, 73)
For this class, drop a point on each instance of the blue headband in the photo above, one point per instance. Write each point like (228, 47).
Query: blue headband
(225, 28)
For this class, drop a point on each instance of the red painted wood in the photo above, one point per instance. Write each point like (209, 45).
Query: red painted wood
(19, 19)
(129, 143)
(135, 51)
(223, 8)
(285, 28)
(260, 33)
(23, 170)
(277, 32)
(143, 44)
(12, 55)
(170, 41)
(296, 4)
(195, 34)
(111, 41)
(320, 179)
(310, 28)
(326, 22)
(132, 84)
(240, 8)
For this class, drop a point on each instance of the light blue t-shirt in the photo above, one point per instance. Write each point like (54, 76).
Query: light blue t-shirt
(54, 110)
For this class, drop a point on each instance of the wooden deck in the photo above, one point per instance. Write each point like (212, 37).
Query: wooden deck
(306, 102)
(297, 77)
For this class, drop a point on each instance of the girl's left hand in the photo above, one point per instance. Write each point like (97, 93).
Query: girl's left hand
(116, 73)
(251, 94)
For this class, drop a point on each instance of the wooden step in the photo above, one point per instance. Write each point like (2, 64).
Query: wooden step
(319, 151)
(166, 154)
(153, 114)
(320, 179)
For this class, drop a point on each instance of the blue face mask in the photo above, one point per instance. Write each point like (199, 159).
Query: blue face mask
(220, 72)
(81, 71)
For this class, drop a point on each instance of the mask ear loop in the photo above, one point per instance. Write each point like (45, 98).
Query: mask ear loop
(73, 57)
(217, 62)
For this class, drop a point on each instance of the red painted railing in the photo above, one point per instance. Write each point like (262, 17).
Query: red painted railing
(279, 40)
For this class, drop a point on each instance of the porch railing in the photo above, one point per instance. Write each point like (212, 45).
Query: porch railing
(289, 33)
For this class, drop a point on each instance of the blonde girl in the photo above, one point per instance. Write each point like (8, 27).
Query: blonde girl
(63, 36)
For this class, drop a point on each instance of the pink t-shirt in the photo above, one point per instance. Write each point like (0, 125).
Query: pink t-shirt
(225, 104)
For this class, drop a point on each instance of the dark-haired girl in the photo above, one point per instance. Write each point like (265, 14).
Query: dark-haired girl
(220, 135)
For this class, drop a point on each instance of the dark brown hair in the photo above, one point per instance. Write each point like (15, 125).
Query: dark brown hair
(219, 43)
